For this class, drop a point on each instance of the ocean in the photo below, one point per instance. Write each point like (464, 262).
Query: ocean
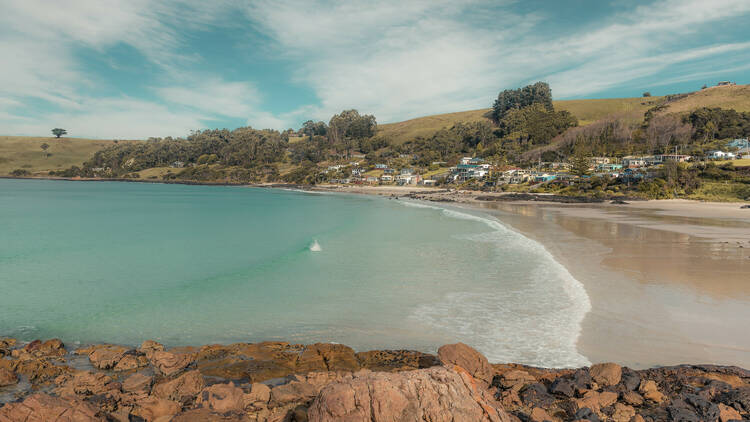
(190, 265)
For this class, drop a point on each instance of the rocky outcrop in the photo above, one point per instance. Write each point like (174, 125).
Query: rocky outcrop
(467, 358)
(278, 381)
(434, 394)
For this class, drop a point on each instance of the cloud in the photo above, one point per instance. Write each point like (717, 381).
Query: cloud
(393, 58)
(403, 59)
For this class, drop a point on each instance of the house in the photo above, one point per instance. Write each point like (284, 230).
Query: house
(371, 179)
(720, 155)
(680, 158)
(544, 177)
(407, 171)
(386, 178)
(408, 179)
(466, 160)
(463, 172)
(725, 83)
(632, 161)
(389, 171)
(381, 166)
(744, 153)
(357, 172)
(608, 167)
(178, 164)
(514, 176)
(429, 182)
(599, 160)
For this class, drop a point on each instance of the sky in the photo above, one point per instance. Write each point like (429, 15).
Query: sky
(133, 69)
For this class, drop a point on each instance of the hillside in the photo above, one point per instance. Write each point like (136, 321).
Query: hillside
(586, 111)
(736, 97)
(25, 152)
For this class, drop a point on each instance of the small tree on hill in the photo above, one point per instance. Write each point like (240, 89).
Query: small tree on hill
(580, 161)
(646, 94)
(44, 147)
(58, 132)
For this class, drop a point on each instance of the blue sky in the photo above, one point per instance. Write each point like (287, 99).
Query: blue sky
(139, 68)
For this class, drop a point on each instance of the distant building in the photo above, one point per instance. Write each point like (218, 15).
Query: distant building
(725, 83)
(632, 161)
(607, 167)
(720, 155)
(599, 160)
(386, 178)
(381, 166)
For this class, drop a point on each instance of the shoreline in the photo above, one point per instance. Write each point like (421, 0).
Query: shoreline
(605, 247)
(649, 268)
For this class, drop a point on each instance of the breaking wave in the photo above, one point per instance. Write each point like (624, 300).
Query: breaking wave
(534, 314)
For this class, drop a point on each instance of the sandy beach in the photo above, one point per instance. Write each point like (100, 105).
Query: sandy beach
(669, 281)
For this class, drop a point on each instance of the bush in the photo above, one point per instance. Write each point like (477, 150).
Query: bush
(20, 172)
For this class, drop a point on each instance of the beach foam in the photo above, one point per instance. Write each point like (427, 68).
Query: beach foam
(537, 323)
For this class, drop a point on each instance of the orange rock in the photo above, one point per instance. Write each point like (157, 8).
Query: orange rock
(623, 413)
(632, 398)
(167, 363)
(606, 374)
(43, 407)
(152, 408)
(106, 356)
(138, 383)
(223, 398)
(182, 389)
(435, 394)
(7, 377)
(539, 415)
(727, 413)
(466, 357)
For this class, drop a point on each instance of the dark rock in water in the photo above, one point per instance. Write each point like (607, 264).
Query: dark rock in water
(745, 207)
(630, 379)
(536, 394)
(562, 386)
(587, 414)
(619, 202)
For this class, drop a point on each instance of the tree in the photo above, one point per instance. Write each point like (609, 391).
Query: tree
(539, 93)
(44, 147)
(58, 132)
(348, 127)
(646, 94)
(580, 161)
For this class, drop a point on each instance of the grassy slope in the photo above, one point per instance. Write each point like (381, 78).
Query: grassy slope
(587, 111)
(24, 152)
(736, 97)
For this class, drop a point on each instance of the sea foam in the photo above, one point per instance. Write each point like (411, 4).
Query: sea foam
(537, 323)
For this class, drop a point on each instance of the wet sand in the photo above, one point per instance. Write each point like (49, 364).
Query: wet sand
(666, 288)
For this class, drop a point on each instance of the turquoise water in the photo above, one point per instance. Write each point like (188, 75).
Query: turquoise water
(125, 262)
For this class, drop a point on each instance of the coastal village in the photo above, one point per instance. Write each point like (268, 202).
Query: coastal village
(486, 174)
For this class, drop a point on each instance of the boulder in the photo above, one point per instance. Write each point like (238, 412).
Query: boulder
(138, 383)
(7, 377)
(536, 395)
(727, 414)
(49, 348)
(436, 394)
(327, 357)
(623, 413)
(183, 389)
(6, 345)
(258, 397)
(43, 407)
(107, 356)
(38, 370)
(130, 362)
(292, 392)
(222, 398)
(562, 387)
(168, 364)
(86, 383)
(206, 415)
(539, 415)
(464, 356)
(632, 398)
(148, 347)
(606, 374)
(152, 408)
(650, 392)
(515, 379)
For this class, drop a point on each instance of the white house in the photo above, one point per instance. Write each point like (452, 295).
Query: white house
(633, 161)
(386, 178)
(720, 155)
